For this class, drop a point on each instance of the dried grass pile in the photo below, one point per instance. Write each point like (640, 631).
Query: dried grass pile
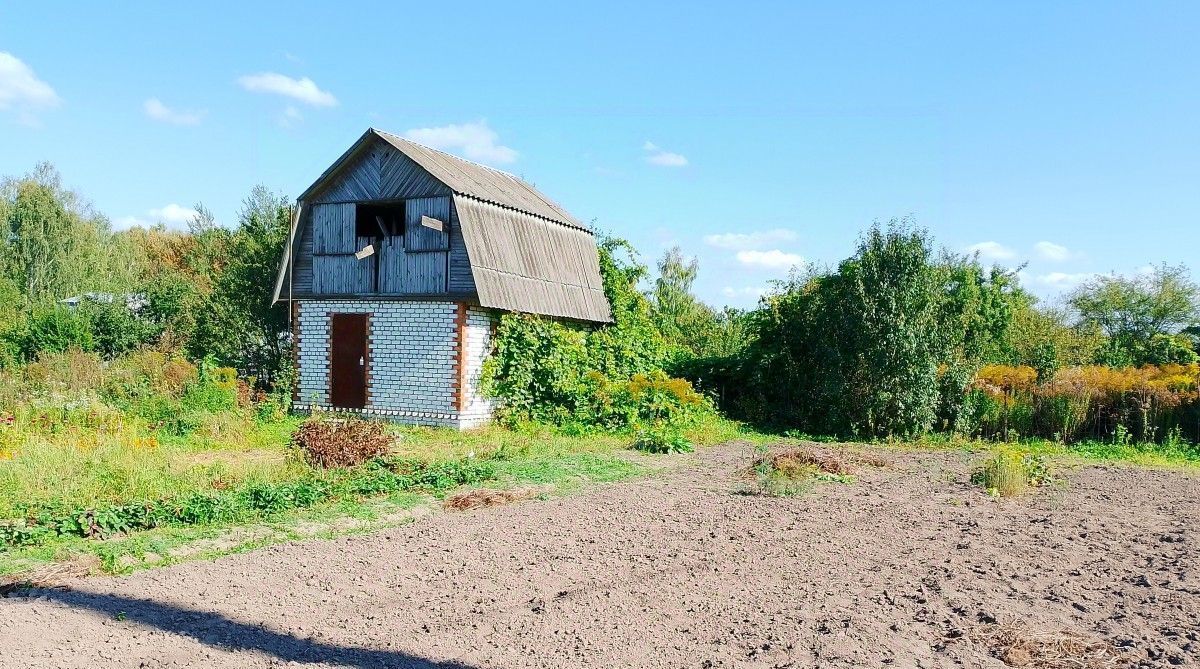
(485, 497)
(1019, 647)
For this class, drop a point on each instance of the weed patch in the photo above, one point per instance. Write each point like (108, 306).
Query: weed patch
(1009, 472)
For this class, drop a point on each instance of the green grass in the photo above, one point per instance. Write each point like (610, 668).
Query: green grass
(114, 467)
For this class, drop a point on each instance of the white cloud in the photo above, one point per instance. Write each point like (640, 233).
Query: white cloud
(22, 91)
(992, 251)
(173, 216)
(753, 292)
(1052, 251)
(304, 89)
(655, 155)
(290, 117)
(1063, 279)
(158, 111)
(773, 259)
(750, 240)
(475, 141)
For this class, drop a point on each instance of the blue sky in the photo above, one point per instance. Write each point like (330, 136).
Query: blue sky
(754, 135)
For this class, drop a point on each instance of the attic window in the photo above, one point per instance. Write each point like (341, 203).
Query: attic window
(379, 220)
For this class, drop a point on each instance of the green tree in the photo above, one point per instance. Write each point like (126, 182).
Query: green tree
(238, 325)
(1132, 311)
(54, 245)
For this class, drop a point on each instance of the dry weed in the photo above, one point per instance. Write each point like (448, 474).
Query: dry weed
(51, 575)
(485, 497)
(1020, 647)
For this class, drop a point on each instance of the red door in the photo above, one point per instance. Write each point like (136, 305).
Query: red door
(348, 361)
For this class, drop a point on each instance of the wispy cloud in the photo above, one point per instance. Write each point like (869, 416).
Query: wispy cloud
(474, 141)
(773, 259)
(656, 155)
(290, 117)
(304, 89)
(992, 251)
(753, 292)
(1063, 280)
(158, 111)
(22, 91)
(173, 216)
(751, 240)
(1052, 251)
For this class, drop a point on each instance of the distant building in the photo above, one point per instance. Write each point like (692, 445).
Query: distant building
(133, 301)
(399, 261)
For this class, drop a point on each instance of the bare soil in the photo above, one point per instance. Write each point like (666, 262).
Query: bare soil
(908, 566)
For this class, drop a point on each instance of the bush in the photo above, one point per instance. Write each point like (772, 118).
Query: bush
(53, 330)
(1009, 472)
(662, 439)
(340, 442)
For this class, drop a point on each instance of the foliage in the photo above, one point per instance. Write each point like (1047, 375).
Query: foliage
(1134, 311)
(1008, 472)
(51, 330)
(1150, 403)
(691, 328)
(40, 524)
(238, 324)
(858, 351)
(609, 377)
(662, 439)
(340, 442)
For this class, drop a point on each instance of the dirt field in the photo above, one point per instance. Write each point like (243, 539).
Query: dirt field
(909, 566)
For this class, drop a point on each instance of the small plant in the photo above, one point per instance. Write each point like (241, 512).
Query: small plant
(1010, 472)
(793, 471)
(340, 442)
(662, 439)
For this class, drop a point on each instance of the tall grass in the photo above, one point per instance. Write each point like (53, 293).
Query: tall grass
(1147, 404)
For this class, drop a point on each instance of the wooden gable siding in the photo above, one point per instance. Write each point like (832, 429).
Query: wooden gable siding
(356, 181)
(401, 178)
(302, 273)
(378, 171)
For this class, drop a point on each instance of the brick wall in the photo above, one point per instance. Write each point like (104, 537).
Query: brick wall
(413, 363)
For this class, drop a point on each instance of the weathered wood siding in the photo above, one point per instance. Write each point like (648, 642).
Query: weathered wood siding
(392, 259)
(342, 275)
(333, 228)
(420, 238)
(302, 273)
(357, 180)
(460, 281)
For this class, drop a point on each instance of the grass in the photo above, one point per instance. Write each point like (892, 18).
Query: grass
(83, 466)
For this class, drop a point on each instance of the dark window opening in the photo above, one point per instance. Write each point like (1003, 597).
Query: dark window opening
(379, 220)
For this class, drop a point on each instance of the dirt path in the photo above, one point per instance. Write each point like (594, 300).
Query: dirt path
(908, 567)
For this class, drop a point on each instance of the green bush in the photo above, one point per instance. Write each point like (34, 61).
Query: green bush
(662, 439)
(52, 330)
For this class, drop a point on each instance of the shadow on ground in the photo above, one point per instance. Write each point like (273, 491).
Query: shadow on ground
(219, 631)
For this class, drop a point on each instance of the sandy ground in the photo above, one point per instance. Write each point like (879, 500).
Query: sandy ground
(909, 566)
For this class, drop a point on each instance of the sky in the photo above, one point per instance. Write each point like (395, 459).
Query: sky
(1060, 138)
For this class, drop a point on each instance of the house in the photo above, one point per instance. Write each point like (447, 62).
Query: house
(399, 262)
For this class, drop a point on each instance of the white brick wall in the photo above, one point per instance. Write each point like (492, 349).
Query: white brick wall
(412, 364)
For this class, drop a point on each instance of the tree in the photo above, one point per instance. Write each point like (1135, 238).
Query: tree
(1132, 311)
(54, 245)
(238, 325)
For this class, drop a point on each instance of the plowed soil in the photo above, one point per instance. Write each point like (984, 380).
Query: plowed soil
(907, 566)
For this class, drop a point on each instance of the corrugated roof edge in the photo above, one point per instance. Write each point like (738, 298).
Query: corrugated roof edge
(384, 135)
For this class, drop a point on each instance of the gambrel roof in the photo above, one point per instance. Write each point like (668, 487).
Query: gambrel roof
(526, 252)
